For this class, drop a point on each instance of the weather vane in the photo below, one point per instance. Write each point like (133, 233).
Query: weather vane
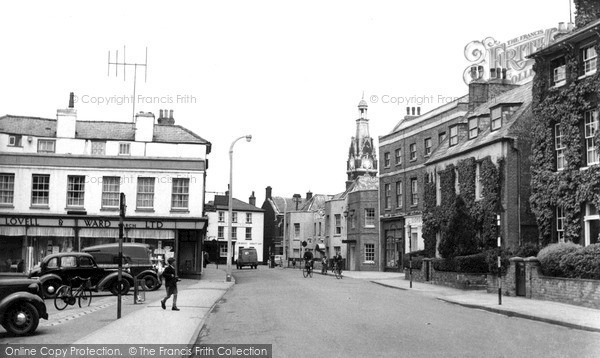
(125, 64)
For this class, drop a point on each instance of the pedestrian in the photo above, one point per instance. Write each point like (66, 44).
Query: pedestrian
(170, 284)
(204, 258)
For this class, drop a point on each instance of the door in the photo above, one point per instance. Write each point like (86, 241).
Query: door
(352, 253)
(520, 279)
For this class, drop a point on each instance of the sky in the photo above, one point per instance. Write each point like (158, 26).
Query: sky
(290, 74)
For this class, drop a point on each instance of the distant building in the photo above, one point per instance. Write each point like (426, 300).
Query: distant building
(61, 179)
(362, 213)
(247, 225)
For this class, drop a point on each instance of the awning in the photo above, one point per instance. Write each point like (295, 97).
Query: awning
(320, 247)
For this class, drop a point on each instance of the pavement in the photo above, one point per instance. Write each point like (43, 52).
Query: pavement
(197, 300)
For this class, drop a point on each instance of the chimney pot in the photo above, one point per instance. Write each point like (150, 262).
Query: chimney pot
(561, 27)
(171, 114)
(504, 73)
(473, 73)
(408, 111)
(413, 111)
(72, 100)
(160, 116)
(479, 72)
(418, 111)
(492, 73)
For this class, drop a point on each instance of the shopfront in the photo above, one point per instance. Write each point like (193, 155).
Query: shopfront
(394, 241)
(26, 239)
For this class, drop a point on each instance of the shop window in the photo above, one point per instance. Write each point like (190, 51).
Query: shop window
(46, 146)
(369, 217)
(591, 127)
(145, 193)
(180, 193)
(111, 191)
(40, 189)
(7, 188)
(98, 148)
(223, 250)
(369, 253)
(75, 190)
(559, 147)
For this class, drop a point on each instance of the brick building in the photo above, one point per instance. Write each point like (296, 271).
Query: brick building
(362, 213)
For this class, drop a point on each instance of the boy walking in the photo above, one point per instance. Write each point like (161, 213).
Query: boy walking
(170, 285)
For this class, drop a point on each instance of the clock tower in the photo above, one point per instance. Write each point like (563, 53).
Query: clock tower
(361, 156)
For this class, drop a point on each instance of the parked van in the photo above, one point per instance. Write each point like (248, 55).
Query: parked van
(136, 259)
(247, 257)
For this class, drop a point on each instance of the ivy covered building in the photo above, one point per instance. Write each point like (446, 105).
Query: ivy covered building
(565, 171)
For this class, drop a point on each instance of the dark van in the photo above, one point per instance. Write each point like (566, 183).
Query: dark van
(136, 259)
(247, 257)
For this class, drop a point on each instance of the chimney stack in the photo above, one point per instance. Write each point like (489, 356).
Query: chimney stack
(144, 127)
(66, 119)
(166, 117)
(268, 191)
(252, 200)
(72, 100)
(308, 195)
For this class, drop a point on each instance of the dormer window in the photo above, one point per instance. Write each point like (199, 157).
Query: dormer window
(496, 118)
(473, 127)
(453, 135)
(589, 58)
(559, 72)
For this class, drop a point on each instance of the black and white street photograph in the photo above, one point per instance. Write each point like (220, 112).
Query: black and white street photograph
(300, 179)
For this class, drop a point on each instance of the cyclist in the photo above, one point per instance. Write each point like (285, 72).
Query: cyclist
(308, 259)
(324, 265)
(337, 261)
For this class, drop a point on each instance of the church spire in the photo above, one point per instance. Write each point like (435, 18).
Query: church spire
(361, 157)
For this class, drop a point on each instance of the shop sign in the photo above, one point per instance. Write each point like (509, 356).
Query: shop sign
(510, 55)
(97, 223)
(33, 221)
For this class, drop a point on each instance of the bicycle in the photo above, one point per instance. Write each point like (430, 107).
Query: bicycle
(66, 296)
(337, 270)
(307, 270)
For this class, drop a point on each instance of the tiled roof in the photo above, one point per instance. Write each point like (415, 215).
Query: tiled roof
(316, 202)
(43, 127)
(521, 94)
(576, 35)
(408, 122)
(221, 202)
(280, 204)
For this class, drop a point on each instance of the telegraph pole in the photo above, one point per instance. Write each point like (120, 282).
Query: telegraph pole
(122, 208)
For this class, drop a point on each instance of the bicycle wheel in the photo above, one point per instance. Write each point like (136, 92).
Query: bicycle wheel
(61, 300)
(85, 298)
(310, 271)
(305, 272)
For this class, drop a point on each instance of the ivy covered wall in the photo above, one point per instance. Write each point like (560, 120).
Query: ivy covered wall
(571, 187)
(466, 225)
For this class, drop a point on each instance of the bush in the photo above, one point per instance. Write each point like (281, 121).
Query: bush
(491, 258)
(587, 262)
(417, 259)
(527, 250)
(555, 258)
(444, 265)
(472, 263)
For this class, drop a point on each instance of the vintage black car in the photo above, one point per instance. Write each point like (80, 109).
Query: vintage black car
(56, 270)
(21, 305)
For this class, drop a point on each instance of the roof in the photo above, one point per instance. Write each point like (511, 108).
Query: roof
(405, 123)
(315, 203)
(100, 130)
(574, 36)
(281, 205)
(521, 94)
(221, 202)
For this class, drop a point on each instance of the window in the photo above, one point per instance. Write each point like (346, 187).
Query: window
(473, 127)
(398, 156)
(399, 198)
(40, 189)
(98, 148)
(14, 140)
(234, 217)
(315, 230)
(320, 227)
(338, 224)
(75, 190)
(441, 137)
(369, 217)
(221, 216)
(248, 218)
(478, 191)
(591, 126)
(234, 233)
(413, 151)
(438, 190)
(145, 193)
(496, 118)
(427, 144)
(46, 146)
(589, 56)
(592, 224)
(388, 195)
(181, 193)
(369, 252)
(560, 147)
(223, 249)
(453, 135)
(559, 74)
(248, 233)
(85, 262)
(68, 261)
(337, 250)
(456, 182)
(386, 159)
(7, 189)
(111, 189)
(560, 224)
(124, 148)
(414, 193)
(296, 231)
(221, 232)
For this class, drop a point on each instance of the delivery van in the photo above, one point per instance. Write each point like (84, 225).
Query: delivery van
(247, 257)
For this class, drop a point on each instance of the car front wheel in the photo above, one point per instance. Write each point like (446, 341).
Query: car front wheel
(21, 318)
(150, 283)
(50, 287)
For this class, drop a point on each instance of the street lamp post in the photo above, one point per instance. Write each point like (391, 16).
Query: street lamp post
(410, 254)
(230, 205)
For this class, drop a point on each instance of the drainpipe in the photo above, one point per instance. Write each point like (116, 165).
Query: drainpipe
(518, 152)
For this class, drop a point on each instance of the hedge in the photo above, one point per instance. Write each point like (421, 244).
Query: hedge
(552, 258)
(475, 263)
(571, 261)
